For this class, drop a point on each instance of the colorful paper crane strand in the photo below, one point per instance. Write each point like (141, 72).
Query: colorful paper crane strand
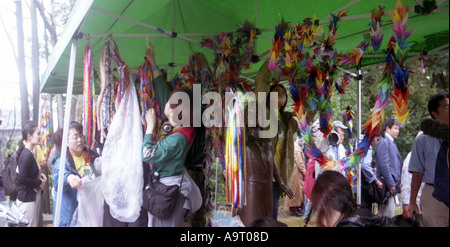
(395, 76)
(89, 118)
(45, 123)
(235, 156)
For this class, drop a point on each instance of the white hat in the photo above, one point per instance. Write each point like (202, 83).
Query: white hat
(339, 124)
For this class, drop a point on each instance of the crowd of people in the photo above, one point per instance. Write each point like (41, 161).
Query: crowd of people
(276, 166)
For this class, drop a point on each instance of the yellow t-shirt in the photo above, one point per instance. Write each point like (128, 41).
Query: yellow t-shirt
(39, 155)
(279, 150)
(83, 168)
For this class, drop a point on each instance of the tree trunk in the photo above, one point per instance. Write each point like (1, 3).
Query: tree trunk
(24, 107)
(35, 60)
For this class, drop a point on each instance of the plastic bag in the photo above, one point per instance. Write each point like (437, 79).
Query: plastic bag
(121, 162)
(10, 215)
(89, 212)
(415, 221)
(219, 219)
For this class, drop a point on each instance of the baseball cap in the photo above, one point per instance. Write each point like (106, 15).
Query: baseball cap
(339, 124)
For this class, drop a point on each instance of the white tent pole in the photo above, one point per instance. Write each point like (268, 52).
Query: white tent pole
(73, 54)
(358, 192)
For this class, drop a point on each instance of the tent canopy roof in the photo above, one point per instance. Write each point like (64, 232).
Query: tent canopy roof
(131, 22)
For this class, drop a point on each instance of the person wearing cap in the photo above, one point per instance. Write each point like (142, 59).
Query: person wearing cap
(336, 138)
(389, 164)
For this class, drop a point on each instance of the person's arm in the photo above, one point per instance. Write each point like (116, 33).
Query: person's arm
(417, 168)
(365, 167)
(25, 166)
(162, 90)
(68, 177)
(383, 163)
(281, 184)
(416, 182)
(172, 147)
(405, 187)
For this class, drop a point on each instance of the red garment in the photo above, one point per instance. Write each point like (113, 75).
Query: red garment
(309, 178)
(188, 133)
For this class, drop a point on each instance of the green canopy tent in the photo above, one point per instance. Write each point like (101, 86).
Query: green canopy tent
(176, 28)
(185, 23)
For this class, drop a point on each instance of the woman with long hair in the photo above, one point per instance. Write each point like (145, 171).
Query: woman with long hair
(30, 181)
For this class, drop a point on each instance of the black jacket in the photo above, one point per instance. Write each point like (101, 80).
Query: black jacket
(363, 218)
(28, 177)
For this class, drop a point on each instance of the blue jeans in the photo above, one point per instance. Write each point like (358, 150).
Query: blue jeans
(276, 199)
(308, 208)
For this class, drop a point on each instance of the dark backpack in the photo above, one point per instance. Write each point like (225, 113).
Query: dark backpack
(9, 176)
(441, 181)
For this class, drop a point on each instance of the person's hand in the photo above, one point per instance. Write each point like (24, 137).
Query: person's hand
(43, 179)
(392, 190)
(406, 213)
(150, 54)
(284, 188)
(74, 181)
(378, 183)
(150, 118)
(413, 208)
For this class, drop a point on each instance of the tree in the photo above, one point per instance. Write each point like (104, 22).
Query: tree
(35, 60)
(24, 106)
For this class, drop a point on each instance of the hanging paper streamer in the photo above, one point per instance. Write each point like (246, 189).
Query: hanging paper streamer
(147, 92)
(89, 119)
(307, 58)
(112, 90)
(373, 37)
(395, 76)
(45, 127)
(233, 52)
(400, 50)
(235, 157)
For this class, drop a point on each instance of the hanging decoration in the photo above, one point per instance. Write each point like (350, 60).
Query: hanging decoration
(422, 57)
(373, 37)
(235, 155)
(307, 59)
(233, 52)
(147, 94)
(89, 120)
(395, 76)
(112, 89)
(400, 48)
(45, 126)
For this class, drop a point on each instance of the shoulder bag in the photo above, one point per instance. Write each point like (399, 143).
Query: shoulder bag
(159, 199)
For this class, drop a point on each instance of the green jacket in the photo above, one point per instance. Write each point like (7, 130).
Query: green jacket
(169, 154)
